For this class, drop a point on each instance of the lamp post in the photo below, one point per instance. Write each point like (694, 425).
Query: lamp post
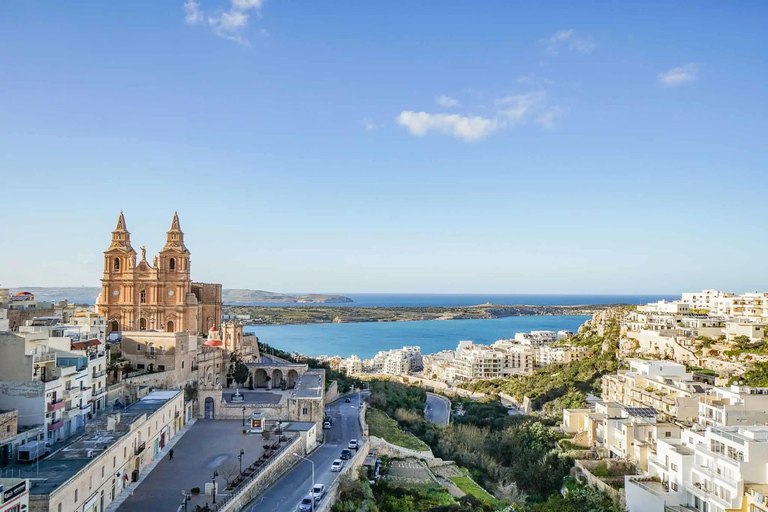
(242, 452)
(243, 415)
(311, 494)
(213, 491)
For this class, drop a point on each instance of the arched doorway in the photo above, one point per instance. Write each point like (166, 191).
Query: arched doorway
(114, 325)
(169, 326)
(260, 378)
(293, 375)
(277, 378)
(210, 413)
(142, 324)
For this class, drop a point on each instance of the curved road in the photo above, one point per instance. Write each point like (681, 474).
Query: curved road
(285, 495)
(438, 409)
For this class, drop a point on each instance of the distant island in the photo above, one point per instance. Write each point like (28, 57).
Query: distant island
(88, 294)
(291, 315)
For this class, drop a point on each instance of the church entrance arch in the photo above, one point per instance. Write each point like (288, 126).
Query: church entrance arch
(169, 326)
(114, 325)
(142, 324)
(293, 376)
(260, 378)
(210, 413)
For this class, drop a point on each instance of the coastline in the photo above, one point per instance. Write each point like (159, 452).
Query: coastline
(310, 315)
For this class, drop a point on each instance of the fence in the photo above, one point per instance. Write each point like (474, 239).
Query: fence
(261, 478)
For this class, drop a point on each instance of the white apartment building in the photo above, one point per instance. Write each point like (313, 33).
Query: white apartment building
(351, 365)
(754, 330)
(501, 359)
(733, 406)
(536, 338)
(705, 472)
(664, 306)
(4, 323)
(54, 375)
(547, 354)
(399, 361)
(436, 365)
(663, 385)
(704, 299)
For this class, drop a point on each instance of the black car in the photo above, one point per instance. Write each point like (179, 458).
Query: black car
(347, 400)
(346, 454)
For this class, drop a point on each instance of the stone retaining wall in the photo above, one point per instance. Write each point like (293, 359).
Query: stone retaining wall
(384, 447)
(277, 467)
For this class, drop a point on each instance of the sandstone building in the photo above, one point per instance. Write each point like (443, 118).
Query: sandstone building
(139, 296)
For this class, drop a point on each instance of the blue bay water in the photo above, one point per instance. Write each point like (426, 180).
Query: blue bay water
(366, 338)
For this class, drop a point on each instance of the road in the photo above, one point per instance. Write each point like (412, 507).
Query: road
(286, 494)
(438, 409)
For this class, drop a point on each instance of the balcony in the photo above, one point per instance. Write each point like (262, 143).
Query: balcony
(43, 358)
(140, 448)
(708, 472)
(72, 392)
(55, 426)
(56, 406)
(96, 375)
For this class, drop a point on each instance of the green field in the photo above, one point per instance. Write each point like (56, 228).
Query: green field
(469, 486)
(381, 425)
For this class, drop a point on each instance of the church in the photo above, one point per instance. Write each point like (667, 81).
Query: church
(139, 296)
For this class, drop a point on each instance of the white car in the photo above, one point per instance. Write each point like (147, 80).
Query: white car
(318, 491)
(352, 444)
(337, 465)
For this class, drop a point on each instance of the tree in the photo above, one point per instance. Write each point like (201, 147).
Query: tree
(229, 469)
(241, 374)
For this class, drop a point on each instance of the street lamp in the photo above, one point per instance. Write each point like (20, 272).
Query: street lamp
(213, 491)
(243, 415)
(241, 460)
(311, 493)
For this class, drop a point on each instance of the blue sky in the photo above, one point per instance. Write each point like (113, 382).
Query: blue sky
(401, 146)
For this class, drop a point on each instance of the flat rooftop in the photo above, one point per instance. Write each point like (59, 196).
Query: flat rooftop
(310, 385)
(48, 474)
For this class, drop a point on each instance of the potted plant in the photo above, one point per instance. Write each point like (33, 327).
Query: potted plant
(195, 491)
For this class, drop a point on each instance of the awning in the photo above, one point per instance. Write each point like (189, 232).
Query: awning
(80, 345)
(93, 342)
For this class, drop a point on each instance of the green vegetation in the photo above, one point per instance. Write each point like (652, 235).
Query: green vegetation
(562, 386)
(468, 485)
(756, 376)
(283, 315)
(383, 426)
(575, 498)
(359, 496)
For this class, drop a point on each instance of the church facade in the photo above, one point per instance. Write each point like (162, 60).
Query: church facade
(139, 296)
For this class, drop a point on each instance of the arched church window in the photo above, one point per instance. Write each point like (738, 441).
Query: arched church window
(169, 327)
(151, 349)
(143, 296)
(172, 264)
(143, 324)
(117, 264)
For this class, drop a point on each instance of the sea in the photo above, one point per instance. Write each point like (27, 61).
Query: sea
(365, 339)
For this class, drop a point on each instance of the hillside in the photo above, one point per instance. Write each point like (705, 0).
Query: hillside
(87, 295)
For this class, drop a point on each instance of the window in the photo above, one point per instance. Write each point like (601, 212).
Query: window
(172, 264)
(138, 347)
(161, 367)
(116, 267)
(90, 483)
(114, 459)
(151, 349)
(304, 411)
(667, 434)
(674, 467)
(182, 366)
(674, 486)
(140, 366)
(102, 471)
(143, 296)
(125, 451)
(75, 495)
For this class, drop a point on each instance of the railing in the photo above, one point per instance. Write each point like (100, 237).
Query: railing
(96, 375)
(40, 358)
(234, 493)
(140, 448)
(55, 425)
(72, 392)
(56, 406)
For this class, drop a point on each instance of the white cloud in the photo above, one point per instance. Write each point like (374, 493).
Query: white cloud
(679, 76)
(447, 101)
(518, 107)
(230, 24)
(569, 40)
(192, 13)
(463, 127)
(512, 110)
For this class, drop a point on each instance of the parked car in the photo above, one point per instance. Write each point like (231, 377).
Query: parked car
(306, 504)
(328, 418)
(347, 400)
(327, 425)
(346, 454)
(318, 491)
(352, 444)
(337, 465)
